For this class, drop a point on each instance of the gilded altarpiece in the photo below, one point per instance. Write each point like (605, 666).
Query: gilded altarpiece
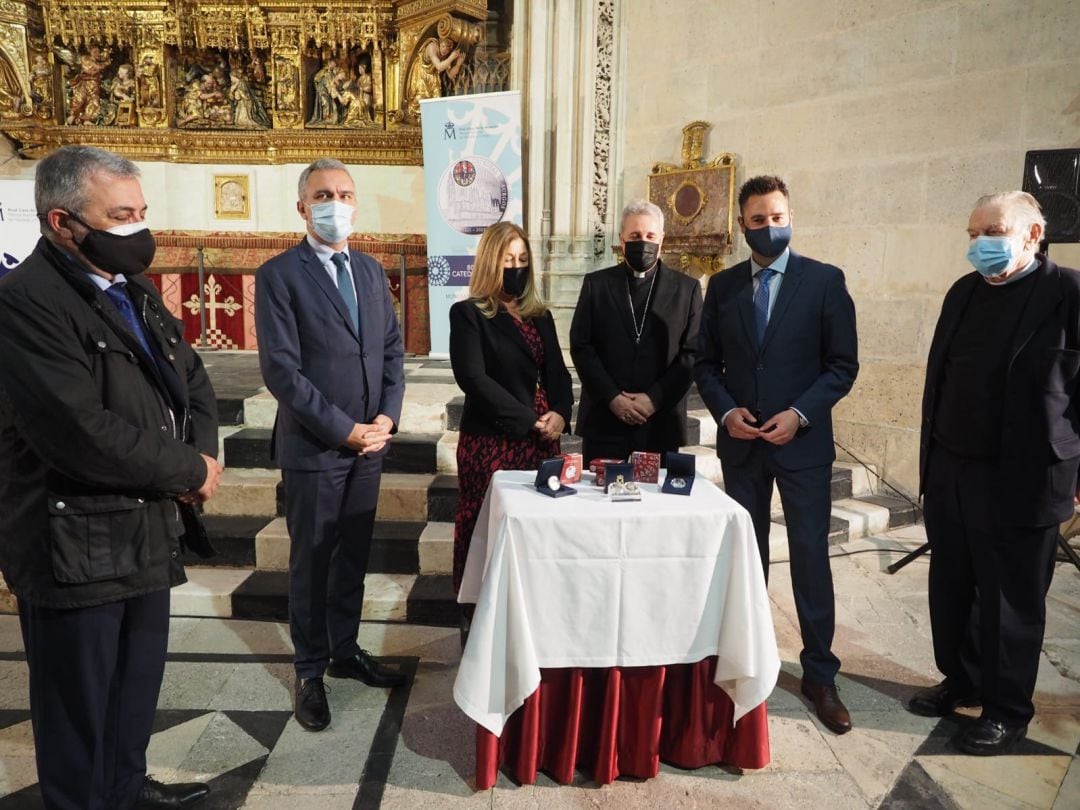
(231, 81)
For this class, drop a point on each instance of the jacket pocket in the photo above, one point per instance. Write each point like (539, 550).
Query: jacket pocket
(98, 537)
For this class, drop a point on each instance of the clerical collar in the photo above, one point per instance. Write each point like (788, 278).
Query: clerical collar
(640, 276)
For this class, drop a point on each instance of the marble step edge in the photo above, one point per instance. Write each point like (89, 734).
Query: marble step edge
(434, 547)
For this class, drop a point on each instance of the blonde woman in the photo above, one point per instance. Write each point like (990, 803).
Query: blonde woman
(506, 358)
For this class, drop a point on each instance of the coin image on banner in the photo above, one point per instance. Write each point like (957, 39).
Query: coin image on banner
(472, 194)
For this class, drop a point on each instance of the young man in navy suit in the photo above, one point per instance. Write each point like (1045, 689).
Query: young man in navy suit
(777, 350)
(331, 353)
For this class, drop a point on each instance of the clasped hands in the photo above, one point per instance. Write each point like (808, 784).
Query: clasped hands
(550, 425)
(370, 438)
(779, 430)
(633, 409)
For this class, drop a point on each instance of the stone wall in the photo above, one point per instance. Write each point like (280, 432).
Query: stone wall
(888, 120)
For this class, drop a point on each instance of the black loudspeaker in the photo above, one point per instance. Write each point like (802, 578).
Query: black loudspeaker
(1052, 176)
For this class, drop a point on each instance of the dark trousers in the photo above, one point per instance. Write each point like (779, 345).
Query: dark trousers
(95, 674)
(988, 585)
(807, 501)
(330, 515)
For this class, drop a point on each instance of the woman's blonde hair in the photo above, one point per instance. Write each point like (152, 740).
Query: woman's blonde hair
(485, 284)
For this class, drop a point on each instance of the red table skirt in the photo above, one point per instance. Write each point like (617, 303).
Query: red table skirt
(621, 722)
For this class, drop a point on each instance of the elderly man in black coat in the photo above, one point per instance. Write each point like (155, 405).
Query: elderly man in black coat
(999, 460)
(108, 441)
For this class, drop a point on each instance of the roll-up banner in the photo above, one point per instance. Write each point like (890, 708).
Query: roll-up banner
(472, 179)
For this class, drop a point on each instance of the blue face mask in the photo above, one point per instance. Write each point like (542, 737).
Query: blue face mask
(992, 255)
(769, 241)
(332, 220)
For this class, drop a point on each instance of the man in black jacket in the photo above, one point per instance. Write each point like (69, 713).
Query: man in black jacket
(633, 339)
(998, 463)
(108, 434)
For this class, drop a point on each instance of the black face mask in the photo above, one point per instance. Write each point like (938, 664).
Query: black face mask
(640, 256)
(129, 255)
(515, 280)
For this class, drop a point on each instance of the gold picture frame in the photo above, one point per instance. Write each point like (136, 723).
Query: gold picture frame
(232, 196)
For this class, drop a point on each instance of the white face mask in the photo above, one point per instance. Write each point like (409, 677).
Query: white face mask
(332, 220)
(128, 228)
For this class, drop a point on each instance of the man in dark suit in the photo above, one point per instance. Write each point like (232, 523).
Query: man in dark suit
(998, 464)
(331, 353)
(108, 438)
(632, 340)
(777, 351)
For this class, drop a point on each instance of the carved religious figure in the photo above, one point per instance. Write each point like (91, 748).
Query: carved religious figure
(286, 84)
(41, 86)
(84, 106)
(363, 81)
(354, 112)
(204, 103)
(248, 109)
(326, 109)
(437, 61)
(149, 83)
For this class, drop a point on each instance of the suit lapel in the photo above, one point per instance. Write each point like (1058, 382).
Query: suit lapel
(793, 275)
(314, 268)
(619, 290)
(1044, 299)
(744, 295)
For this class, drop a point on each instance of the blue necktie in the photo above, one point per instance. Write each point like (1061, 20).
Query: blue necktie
(345, 288)
(118, 295)
(761, 302)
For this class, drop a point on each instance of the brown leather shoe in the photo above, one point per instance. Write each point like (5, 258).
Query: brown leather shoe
(831, 711)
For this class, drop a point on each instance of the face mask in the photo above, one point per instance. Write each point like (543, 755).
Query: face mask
(332, 220)
(640, 255)
(769, 241)
(991, 255)
(515, 280)
(126, 249)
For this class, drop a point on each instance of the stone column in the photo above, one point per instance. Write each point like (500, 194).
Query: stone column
(562, 61)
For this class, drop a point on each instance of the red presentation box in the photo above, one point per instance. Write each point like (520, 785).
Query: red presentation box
(646, 466)
(597, 466)
(571, 468)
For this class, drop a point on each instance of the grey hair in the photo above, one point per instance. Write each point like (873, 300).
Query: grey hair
(1021, 208)
(62, 178)
(642, 207)
(322, 164)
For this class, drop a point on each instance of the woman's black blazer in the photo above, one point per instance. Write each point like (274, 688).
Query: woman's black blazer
(493, 366)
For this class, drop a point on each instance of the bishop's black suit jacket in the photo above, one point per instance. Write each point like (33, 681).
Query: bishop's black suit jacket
(609, 361)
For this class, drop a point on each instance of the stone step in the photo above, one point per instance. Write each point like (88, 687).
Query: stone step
(437, 548)
(264, 595)
(863, 516)
(409, 452)
(245, 492)
(394, 547)
(234, 538)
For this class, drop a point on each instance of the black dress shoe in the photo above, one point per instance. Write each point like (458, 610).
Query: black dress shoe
(941, 700)
(312, 709)
(986, 736)
(830, 710)
(363, 667)
(155, 794)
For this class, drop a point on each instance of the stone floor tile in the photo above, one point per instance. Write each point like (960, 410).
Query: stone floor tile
(169, 748)
(14, 685)
(976, 783)
(17, 766)
(798, 744)
(325, 762)
(265, 686)
(1068, 797)
(233, 636)
(193, 685)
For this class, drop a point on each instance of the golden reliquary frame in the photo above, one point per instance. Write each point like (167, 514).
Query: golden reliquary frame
(698, 201)
(230, 81)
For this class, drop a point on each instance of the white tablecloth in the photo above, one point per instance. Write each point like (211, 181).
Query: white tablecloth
(580, 581)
